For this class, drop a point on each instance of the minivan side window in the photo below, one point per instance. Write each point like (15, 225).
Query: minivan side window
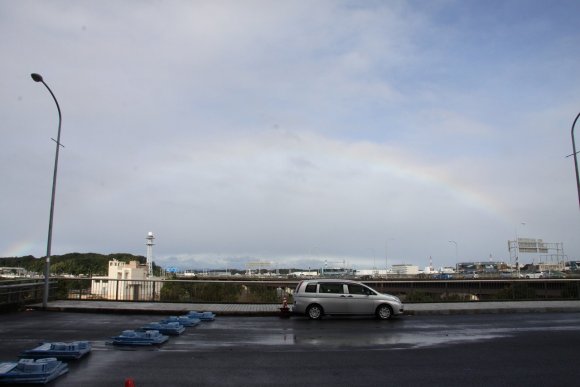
(310, 288)
(358, 289)
(332, 288)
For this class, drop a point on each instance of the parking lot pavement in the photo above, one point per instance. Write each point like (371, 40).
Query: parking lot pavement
(267, 351)
(274, 309)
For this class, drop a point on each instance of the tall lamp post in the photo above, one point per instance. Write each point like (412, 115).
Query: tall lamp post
(576, 158)
(387, 256)
(38, 78)
(518, 250)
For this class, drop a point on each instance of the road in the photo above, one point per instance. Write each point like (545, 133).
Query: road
(475, 350)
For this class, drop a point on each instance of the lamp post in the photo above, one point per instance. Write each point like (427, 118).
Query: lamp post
(387, 256)
(576, 158)
(518, 250)
(38, 78)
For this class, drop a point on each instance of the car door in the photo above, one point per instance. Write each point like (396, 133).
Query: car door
(332, 297)
(361, 300)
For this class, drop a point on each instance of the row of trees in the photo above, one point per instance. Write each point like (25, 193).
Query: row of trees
(73, 263)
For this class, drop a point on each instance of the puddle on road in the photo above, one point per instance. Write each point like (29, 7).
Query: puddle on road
(320, 337)
(320, 341)
(397, 341)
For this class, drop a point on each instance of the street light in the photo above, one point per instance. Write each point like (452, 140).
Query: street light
(575, 158)
(387, 256)
(518, 249)
(38, 78)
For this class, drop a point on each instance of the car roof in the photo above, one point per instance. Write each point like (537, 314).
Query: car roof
(331, 280)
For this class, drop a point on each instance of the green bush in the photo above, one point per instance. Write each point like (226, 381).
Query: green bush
(416, 296)
(176, 291)
(570, 290)
(70, 289)
(518, 291)
(259, 294)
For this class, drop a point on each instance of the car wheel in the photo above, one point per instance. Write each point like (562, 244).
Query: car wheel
(384, 312)
(314, 312)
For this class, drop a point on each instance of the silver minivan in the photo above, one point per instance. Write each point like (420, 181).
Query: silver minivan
(316, 298)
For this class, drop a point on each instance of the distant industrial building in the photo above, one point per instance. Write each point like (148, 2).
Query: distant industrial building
(309, 273)
(13, 272)
(375, 273)
(489, 267)
(405, 269)
(572, 266)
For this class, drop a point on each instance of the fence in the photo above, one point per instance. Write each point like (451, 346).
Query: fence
(481, 290)
(173, 290)
(252, 291)
(17, 293)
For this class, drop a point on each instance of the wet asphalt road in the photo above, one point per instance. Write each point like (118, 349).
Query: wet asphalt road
(497, 350)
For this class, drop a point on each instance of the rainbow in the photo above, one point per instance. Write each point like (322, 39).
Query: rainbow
(391, 161)
(21, 248)
(326, 152)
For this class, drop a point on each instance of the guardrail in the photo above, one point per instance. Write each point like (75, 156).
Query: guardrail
(482, 290)
(271, 291)
(18, 293)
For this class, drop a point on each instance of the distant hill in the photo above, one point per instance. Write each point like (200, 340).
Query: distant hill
(73, 263)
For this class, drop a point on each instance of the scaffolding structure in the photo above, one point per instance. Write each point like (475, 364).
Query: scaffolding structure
(257, 266)
(551, 255)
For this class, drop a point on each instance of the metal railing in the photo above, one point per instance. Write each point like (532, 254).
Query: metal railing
(217, 291)
(271, 291)
(20, 292)
(482, 290)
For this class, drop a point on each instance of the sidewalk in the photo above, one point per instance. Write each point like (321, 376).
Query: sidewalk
(273, 309)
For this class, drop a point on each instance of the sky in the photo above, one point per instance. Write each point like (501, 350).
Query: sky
(300, 133)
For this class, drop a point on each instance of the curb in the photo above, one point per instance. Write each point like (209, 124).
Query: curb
(490, 311)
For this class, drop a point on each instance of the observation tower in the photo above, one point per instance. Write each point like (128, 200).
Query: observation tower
(150, 244)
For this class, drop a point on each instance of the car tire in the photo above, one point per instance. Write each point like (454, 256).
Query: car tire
(314, 312)
(384, 312)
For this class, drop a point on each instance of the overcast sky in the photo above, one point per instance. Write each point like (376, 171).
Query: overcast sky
(367, 132)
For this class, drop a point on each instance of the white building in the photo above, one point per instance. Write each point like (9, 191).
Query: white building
(447, 270)
(405, 269)
(429, 270)
(372, 273)
(126, 281)
(129, 281)
(311, 273)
